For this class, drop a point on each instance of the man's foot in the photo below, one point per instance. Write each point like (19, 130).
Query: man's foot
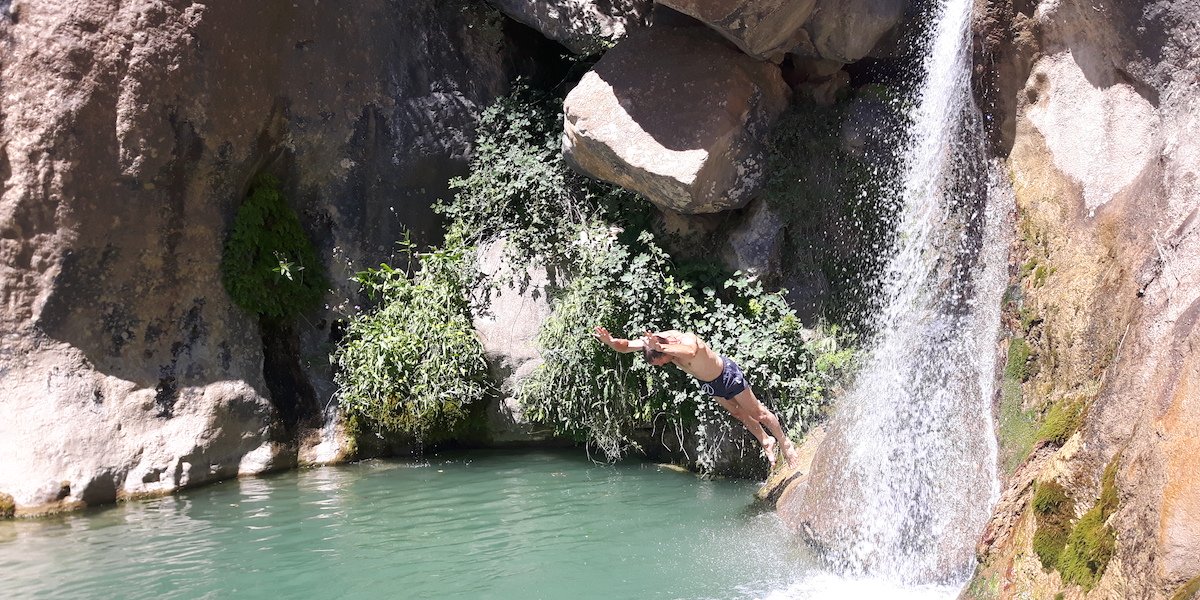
(768, 445)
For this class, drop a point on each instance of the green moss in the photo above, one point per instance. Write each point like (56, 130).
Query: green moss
(1017, 429)
(1092, 543)
(8, 506)
(1188, 591)
(269, 266)
(1029, 318)
(1039, 275)
(1053, 510)
(1059, 596)
(1050, 498)
(1062, 421)
(1017, 367)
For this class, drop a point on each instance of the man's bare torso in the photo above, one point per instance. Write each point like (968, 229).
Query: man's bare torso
(706, 365)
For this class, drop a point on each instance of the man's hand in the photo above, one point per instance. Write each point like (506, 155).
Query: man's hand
(607, 339)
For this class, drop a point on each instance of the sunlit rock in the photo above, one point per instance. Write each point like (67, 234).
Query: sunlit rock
(763, 28)
(677, 115)
(583, 26)
(508, 325)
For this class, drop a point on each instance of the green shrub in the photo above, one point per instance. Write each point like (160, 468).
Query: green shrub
(8, 506)
(1062, 421)
(1053, 511)
(1092, 543)
(412, 365)
(269, 267)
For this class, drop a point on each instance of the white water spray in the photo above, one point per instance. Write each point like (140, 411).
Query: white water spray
(904, 482)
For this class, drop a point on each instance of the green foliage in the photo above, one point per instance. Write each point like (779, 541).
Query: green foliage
(1062, 421)
(596, 236)
(8, 506)
(1053, 511)
(413, 365)
(585, 390)
(1017, 366)
(1092, 542)
(269, 266)
(519, 186)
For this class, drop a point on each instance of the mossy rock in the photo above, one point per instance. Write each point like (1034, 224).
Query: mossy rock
(269, 266)
(1092, 542)
(1053, 510)
(8, 506)
(1017, 367)
(1063, 420)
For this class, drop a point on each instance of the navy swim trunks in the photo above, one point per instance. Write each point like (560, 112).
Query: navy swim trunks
(731, 382)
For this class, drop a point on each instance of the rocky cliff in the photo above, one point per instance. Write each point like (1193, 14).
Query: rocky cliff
(1094, 108)
(129, 133)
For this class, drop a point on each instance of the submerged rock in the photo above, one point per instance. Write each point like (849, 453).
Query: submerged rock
(677, 115)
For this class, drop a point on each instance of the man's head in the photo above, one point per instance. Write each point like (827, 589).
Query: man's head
(655, 357)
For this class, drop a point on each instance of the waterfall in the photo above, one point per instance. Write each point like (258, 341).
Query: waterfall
(905, 480)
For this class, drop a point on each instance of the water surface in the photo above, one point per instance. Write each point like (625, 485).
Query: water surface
(492, 525)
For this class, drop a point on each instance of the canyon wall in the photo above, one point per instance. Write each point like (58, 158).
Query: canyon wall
(1094, 107)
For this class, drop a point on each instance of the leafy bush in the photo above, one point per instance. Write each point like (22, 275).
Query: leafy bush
(269, 266)
(412, 365)
(588, 391)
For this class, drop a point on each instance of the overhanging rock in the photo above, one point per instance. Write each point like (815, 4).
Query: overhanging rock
(762, 28)
(677, 115)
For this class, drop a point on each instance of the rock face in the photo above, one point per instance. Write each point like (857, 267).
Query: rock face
(847, 30)
(1092, 105)
(583, 26)
(128, 134)
(763, 28)
(678, 116)
(508, 329)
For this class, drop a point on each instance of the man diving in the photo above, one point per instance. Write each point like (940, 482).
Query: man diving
(719, 377)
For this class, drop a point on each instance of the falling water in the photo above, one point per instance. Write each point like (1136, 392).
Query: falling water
(904, 482)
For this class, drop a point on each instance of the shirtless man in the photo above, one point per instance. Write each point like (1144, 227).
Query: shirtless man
(719, 377)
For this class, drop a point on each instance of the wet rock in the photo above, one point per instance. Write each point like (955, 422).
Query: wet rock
(677, 115)
(766, 29)
(754, 244)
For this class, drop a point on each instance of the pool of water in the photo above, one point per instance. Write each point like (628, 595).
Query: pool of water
(491, 525)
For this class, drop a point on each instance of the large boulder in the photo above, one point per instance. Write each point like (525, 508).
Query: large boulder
(583, 26)
(847, 30)
(677, 115)
(766, 29)
(128, 134)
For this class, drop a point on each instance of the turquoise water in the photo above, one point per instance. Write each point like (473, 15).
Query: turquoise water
(494, 525)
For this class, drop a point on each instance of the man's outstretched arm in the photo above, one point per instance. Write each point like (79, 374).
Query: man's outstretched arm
(618, 344)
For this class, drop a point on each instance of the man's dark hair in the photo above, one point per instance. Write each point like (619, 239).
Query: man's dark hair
(650, 355)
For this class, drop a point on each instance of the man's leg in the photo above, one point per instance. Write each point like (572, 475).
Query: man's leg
(735, 409)
(749, 404)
